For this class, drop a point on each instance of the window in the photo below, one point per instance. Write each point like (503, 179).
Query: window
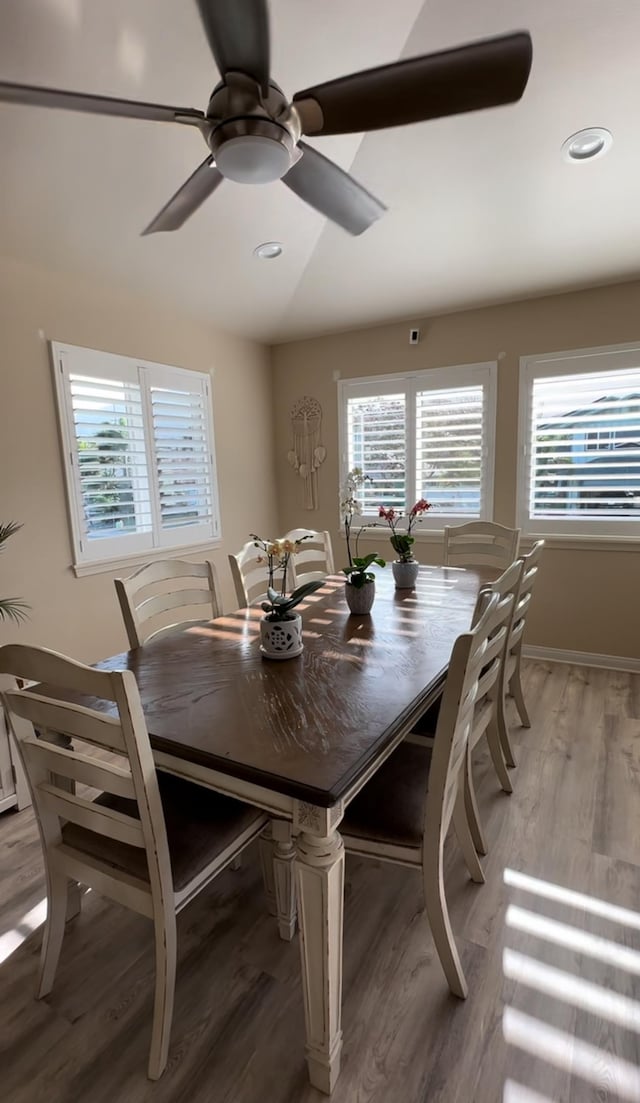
(580, 442)
(423, 434)
(139, 454)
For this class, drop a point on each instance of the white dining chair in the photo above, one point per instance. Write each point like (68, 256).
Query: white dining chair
(480, 544)
(314, 559)
(149, 841)
(250, 574)
(403, 813)
(490, 722)
(513, 659)
(176, 577)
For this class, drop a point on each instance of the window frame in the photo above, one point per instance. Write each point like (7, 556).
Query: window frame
(551, 365)
(425, 379)
(92, 555)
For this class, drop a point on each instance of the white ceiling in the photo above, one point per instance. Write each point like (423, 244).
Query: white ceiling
(482, 207)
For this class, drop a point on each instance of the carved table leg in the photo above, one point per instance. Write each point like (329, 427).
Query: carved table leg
(283, 857)
(267, 846)
(320, 885)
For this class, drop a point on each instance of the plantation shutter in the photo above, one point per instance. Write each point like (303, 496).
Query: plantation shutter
(139, 454)
(584, 446)
(377, 444)
(450, 447)
(182, 454)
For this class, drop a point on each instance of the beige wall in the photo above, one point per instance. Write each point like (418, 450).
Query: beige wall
(79, 616)
(587, 600)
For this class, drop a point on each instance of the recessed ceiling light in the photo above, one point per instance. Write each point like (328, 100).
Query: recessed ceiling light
(269, 250)
(584, 145)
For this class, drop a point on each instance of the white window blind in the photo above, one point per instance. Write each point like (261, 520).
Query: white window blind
(377, 445)
(581, 448)
(139, 454)
(422, 434)
(450, 445)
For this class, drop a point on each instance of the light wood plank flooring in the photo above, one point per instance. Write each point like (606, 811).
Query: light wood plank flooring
(554, 1009)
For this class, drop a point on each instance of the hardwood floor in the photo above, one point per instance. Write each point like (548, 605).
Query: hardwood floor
(554, 977)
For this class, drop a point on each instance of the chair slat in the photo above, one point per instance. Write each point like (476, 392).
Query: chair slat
(68, 719)
(136, 610)
(161, 603)
(88, 771)
(93, 816)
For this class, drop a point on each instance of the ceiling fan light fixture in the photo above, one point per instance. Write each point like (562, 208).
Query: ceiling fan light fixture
(584, 145)
(253, 159)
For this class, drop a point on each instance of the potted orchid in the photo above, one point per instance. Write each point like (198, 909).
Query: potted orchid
(405, 568)
(281, 628)
(360, 587)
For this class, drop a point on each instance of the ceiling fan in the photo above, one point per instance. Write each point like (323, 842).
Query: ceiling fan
(254, 133)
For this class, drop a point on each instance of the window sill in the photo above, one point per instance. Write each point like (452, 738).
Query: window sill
(582, 541)
(557, 541)
(103, 566)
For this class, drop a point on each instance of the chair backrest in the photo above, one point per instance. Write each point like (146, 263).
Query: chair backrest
(506, 588)
(250, 573)
(139, 606)
(314, 560)
(480, 544)
(530, 567)
(474, 654)
(50, 767)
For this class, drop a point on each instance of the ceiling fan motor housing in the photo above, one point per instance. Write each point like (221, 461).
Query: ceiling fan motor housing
(253, 138)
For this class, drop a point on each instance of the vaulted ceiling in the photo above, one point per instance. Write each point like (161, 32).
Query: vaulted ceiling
(482, 207)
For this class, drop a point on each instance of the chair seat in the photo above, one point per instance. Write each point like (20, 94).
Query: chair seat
(200, 824)
(390, 808)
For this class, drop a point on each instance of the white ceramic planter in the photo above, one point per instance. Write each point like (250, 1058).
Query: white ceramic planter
(360, 598)
(405, 574)
(281, 639)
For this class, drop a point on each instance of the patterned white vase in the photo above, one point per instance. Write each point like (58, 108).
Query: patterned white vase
(281, 639)
(405, 574)
(360, 598)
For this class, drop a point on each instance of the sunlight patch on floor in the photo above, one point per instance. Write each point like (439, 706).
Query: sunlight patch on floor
(572, 990)
(564, 1051)
(592, 904)
(11, 940)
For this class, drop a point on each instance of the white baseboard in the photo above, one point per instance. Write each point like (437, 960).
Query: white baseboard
(582, 658)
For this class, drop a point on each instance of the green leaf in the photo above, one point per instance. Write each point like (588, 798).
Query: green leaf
(8, 530)
(12, 608)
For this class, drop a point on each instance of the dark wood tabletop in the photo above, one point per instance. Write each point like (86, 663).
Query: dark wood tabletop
(306, 727)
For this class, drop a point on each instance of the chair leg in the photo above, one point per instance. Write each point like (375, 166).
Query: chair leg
(267, 848)
(471, 807)
(497, 757)
(438, 915)
(515, 686)
(57, 902)
(503, 731)
(465, 839)
(165, 942)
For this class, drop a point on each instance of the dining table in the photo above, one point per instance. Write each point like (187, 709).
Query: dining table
(299, 738)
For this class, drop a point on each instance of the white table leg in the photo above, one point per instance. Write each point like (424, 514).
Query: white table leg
(283, 857)
(267, 846)
(320, 886)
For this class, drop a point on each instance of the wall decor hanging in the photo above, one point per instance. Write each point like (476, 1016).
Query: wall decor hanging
(307, 453)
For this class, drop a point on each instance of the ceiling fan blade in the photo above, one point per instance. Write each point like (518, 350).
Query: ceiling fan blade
(481, 74)
(187, 199)
(324, 185)
(33, 96)
(238, 34)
